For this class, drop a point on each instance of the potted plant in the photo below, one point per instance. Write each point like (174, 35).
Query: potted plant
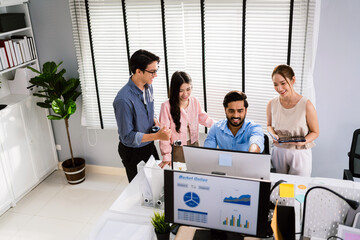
(162, 228)
(60, 95)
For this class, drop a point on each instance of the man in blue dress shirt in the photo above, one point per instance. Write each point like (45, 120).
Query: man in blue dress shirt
(134, 113)
(236, 132)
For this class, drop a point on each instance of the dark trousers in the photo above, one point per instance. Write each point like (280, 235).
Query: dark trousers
(132, 156)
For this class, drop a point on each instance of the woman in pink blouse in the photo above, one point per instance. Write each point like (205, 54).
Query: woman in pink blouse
(182, 113)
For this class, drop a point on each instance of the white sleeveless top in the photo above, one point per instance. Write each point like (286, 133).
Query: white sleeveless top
(290, 122)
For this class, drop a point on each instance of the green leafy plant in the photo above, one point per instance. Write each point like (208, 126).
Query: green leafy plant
(58, 93)
(158, 221)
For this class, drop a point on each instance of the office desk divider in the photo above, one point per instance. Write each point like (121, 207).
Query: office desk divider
(324, 210)
(151, 189)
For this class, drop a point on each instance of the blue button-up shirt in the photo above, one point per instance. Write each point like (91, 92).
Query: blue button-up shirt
(249, 133)
(134, 118)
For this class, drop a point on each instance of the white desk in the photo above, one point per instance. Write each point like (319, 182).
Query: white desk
(126, 217)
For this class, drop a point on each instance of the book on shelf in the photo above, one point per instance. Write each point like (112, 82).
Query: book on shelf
(3, 58)
(8, 57)
(29, 44)
(18, 52)
(25, 44)
(23, 50)
(12, 51)
(33, 47)
(8, 53)
(1, 67)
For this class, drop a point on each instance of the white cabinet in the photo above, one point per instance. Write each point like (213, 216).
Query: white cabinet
(6, 197)
(18, 162)
(40, 137)
(27, 148)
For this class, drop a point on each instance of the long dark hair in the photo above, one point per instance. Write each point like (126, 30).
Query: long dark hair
(177, 79)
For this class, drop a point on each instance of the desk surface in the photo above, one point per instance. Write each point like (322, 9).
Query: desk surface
(127, 210)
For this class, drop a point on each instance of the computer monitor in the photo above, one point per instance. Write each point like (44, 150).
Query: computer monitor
(229, 162)
(216, 202)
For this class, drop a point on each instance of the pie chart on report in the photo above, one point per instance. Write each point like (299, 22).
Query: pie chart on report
(191, 199)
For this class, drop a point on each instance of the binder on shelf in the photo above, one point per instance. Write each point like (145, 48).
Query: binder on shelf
(24, 42)
(31, 52)
(21, 53)
(17, 52)
(12, 51)
(1, 67)
(33, 46)
(7, 53)
(3, 58)
(22, 49)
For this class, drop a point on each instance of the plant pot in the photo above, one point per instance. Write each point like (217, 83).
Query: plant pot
(74, 175)
(163, 236)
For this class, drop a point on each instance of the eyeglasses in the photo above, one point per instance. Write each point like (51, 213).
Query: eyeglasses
(152, 72)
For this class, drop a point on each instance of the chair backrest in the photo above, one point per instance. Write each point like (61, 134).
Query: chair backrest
(266, 144)
(354, 154)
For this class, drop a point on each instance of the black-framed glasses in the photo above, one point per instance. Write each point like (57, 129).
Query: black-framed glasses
(152, 72)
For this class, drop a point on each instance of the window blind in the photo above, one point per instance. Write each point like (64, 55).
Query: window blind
(223, 50)
(145, 32)
(266, 37)
(90, 112)
(264, 45)
(184, 44)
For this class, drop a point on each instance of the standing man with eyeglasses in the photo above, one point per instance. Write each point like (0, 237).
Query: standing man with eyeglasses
(134, 112)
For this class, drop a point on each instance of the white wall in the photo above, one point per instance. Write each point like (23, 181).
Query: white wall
(336, 83)
(53, 34)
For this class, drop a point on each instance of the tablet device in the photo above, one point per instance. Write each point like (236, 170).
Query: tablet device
(291, 139)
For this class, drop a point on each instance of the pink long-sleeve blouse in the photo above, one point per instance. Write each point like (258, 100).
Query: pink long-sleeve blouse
(193, 115)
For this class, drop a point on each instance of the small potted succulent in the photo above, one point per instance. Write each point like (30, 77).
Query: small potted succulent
(162, 228)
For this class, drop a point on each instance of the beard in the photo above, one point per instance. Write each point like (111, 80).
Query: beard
(235, 125)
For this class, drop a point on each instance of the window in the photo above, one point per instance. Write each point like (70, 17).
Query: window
(223, 45)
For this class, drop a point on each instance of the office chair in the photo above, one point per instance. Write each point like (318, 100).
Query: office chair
(267, 151)
(266, 144)
(354, 158)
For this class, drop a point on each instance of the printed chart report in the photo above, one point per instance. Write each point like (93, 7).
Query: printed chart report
(215, 202)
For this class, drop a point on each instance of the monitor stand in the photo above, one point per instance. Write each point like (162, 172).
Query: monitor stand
(205, 234)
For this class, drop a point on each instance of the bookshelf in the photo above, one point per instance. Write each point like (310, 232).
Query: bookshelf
(22, 55)
(27, 153)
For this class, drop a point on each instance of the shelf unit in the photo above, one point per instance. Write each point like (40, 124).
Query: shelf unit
(7, 75)
(27, 147)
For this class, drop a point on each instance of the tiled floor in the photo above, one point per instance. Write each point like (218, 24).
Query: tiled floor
(57, 210)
